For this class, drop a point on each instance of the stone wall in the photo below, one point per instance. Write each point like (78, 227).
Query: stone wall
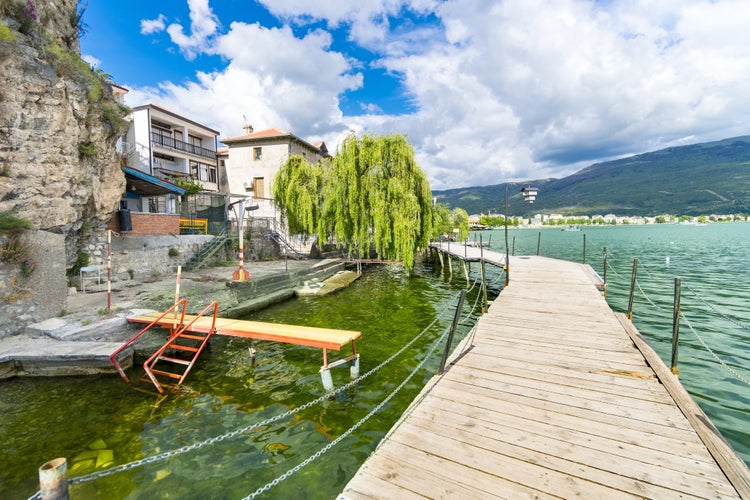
(144, 257)
(41, 294)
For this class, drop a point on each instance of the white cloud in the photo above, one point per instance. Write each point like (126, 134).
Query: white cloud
(203, 25)
(151, 26)
(91, 60)
(513, 90)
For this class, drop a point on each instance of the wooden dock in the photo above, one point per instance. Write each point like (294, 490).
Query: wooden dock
(555, 397)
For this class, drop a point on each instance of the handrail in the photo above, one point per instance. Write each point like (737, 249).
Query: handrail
(113, 356)
(179, 332)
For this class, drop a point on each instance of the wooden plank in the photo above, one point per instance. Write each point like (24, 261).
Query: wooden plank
(732, 465)
(324, 338)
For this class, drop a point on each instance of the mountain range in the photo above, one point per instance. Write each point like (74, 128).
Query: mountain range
(699, 179)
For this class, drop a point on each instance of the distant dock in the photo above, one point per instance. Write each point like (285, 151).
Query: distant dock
(554, 396)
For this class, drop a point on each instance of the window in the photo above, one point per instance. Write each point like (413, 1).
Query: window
(258, 187)
(203, 172)
(257, 153)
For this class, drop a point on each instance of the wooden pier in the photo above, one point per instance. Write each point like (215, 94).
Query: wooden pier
(555, 396)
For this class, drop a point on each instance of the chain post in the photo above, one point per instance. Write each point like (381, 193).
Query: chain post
(449, 340)
(676, 325)
(632, 289)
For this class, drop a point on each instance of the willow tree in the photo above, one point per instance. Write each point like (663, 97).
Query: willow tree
(373, 193)
(297, 191)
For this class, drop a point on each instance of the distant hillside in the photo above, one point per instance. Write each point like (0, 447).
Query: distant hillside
(712, 177)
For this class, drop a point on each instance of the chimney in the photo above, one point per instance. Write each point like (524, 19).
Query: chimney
(248, 129)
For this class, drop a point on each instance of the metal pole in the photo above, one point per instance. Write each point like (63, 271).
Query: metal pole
(676, 325)
(507, 259)
(538, 242)
(632, 289)
(605, 271)
(109, 270)
(484, 276)
(449, 340)
(584, 248)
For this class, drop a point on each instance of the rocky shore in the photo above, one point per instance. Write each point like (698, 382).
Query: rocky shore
(80, 340)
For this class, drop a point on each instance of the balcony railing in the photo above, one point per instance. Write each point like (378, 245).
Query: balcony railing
(178, 145)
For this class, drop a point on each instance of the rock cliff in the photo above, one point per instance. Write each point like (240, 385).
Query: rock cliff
(59, 122)
(60, 175)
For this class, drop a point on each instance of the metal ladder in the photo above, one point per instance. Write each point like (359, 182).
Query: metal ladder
(193, 343)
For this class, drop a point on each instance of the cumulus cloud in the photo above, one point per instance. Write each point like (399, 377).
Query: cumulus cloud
(151, 26)
(499, 91)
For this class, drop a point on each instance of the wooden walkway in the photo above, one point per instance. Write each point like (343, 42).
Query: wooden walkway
(554, 398)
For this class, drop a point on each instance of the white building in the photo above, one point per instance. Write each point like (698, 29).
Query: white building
(253, 159)
(166, 145)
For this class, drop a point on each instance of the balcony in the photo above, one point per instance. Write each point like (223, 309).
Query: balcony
(185, 147)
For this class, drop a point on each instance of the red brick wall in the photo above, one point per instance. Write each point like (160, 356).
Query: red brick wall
(147, 224)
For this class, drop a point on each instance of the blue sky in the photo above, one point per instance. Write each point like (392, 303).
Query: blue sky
(487, 91)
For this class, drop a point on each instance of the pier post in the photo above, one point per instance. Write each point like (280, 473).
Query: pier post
(605, 271)
(676, 325)
(584, 248)
(452, 330)
(53, 480)
(513, 252)
(466, 271)
(538, 243)
(632, 289)
(484, 276)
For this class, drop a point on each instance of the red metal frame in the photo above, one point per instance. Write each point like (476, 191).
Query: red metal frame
(113, 356)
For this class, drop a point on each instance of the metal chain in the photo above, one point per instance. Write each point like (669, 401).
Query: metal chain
(647, 297)
(346, 433)
(731, 320)
(237, 432)
(716, 357)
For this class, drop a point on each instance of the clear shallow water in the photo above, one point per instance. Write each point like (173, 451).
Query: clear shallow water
(94, 419)
(713, 263)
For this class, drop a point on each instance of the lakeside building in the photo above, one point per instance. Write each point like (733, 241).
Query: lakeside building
(159, 148)
(252, 160)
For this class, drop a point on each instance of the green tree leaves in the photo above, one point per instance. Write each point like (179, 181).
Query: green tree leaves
(372, 193)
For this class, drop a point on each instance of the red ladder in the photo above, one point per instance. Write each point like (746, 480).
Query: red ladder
(193, 342)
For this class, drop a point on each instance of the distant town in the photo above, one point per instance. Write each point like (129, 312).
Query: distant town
(488, 221)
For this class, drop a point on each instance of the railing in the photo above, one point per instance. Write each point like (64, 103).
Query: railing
(178, 145)
(113, 356)
(193, 225)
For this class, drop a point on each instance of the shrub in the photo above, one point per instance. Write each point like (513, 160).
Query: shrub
(6, 35)
(82, 260)
(11, 223)
(173, 252)
(17, 250)
(86, 150)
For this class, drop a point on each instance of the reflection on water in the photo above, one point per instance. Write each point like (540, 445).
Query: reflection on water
(94, 421)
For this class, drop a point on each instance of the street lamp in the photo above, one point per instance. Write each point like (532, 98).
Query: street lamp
(529, 195)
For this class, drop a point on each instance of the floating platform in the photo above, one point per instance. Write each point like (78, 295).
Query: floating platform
(323, 338)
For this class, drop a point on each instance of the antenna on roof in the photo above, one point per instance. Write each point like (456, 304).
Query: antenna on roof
(247, 128)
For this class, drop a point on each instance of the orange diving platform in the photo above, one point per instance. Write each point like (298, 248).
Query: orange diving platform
(323, 338)
(199, 328)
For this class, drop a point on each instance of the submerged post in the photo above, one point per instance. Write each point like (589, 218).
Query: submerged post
(513, 252)
(676, 325)
(538, 243)
(452, 330)
(632, 289)
(53, 480)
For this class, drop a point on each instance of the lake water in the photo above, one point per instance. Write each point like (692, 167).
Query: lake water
(96, 422)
